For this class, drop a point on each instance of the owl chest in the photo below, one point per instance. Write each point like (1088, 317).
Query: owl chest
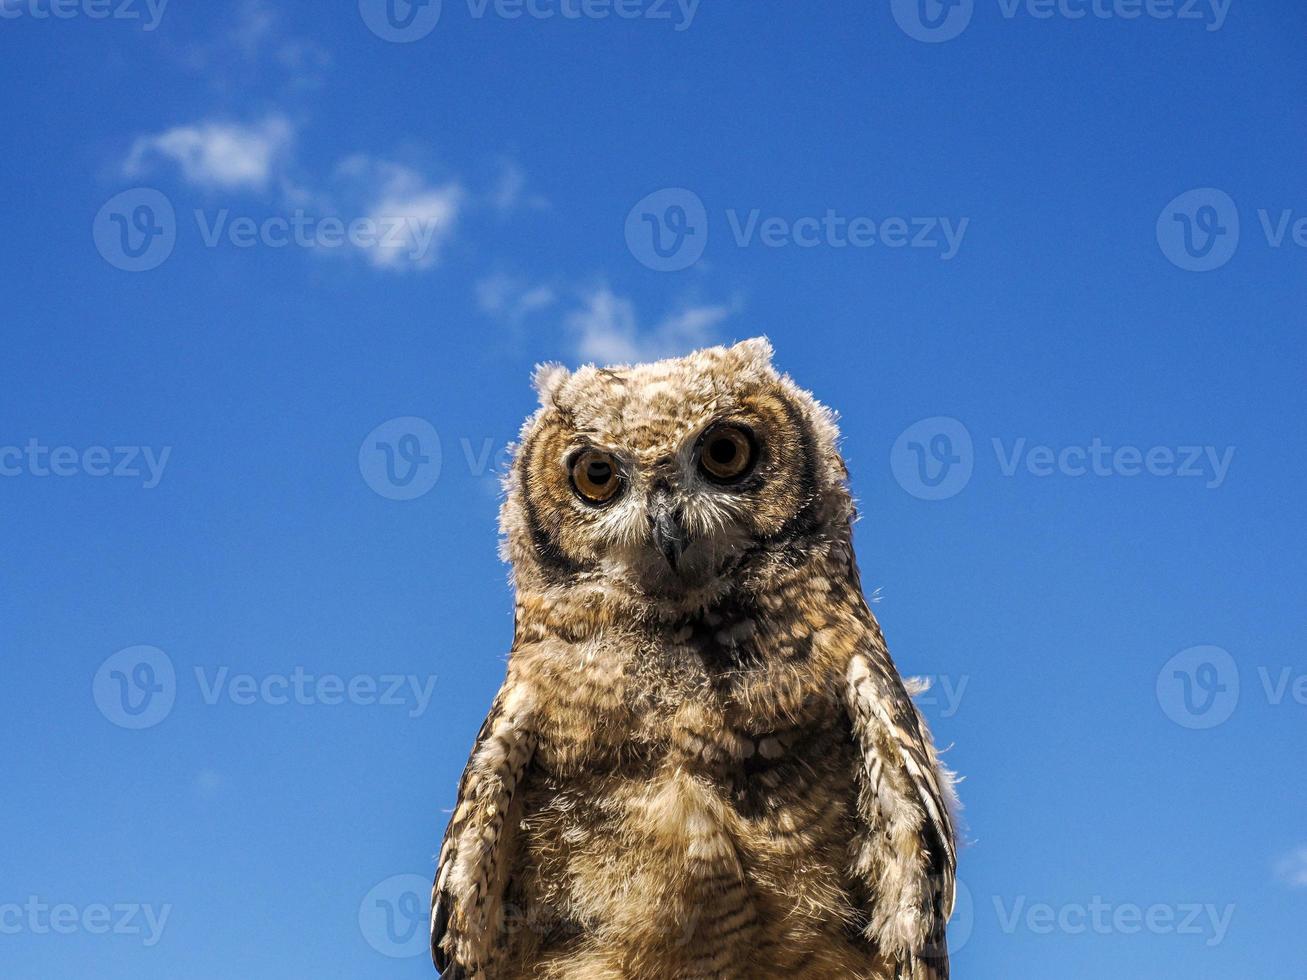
(680, 849)
(675, 777)
(592, 729)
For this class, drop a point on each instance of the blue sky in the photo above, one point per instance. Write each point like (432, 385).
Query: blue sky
(276, 277)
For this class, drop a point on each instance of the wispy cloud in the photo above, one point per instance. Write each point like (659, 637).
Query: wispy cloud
(1292, 868)
(422, 216)
(606, 329)
(254, 24)
(256, 47)
(218, 155)
(405, 219)
(305, 62)
(511, 300)
(411, 216)
(510, 192)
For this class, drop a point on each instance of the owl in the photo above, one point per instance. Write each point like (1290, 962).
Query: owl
(702, 764)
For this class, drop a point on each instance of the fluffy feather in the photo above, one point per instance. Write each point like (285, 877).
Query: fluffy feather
(700, 770)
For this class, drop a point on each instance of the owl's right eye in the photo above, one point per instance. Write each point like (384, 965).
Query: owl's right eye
(596, 476)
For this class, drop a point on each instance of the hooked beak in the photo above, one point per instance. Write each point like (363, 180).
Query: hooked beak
(668, 534)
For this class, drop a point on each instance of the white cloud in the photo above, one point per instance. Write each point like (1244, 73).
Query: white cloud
(218, 155)
(606, 329)
(407, 218)
(512, 300)
(509, 193)
(1292, 868)
(417, 219)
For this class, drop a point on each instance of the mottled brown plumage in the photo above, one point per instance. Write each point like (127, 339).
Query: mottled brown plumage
(703, 764)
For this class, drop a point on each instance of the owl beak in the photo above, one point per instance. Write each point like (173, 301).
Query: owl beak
(668, 533)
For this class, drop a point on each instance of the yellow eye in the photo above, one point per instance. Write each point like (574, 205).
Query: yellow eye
(595, 476)
(727, 454)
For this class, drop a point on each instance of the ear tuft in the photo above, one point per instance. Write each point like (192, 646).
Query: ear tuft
(755, 352)
(548, 379)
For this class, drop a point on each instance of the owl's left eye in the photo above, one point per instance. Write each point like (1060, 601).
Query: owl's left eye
(727, 454)
(596, 476)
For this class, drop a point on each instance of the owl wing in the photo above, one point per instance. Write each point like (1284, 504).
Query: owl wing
(468, 897)
(907, 856)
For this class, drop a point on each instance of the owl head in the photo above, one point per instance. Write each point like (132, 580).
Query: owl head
(673, 481)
